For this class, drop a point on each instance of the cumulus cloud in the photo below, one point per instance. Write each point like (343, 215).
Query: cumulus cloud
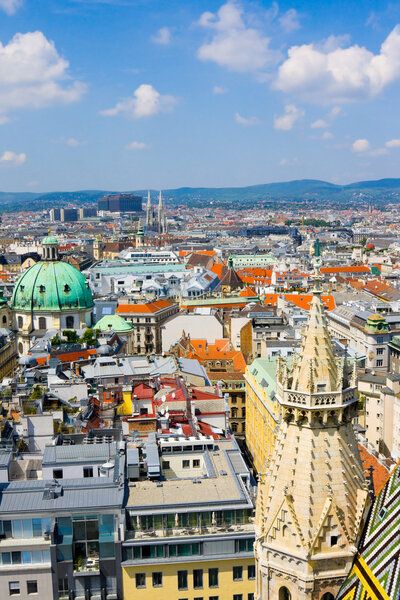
(71, 142)
(289, 21)
(218, 89)
(286, 121)
(247, 121)
(319, 124)
(330, 73)
(11, 158)
(236, 43)
(393, 143)
(33, 74)
(288, 162)
(136, 146)
(163, 36)
(145, 102)
(10, 7)
(327, 135)
(361, 145)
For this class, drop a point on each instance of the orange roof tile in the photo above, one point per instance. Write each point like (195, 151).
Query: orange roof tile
(347, 269)
(148, 307)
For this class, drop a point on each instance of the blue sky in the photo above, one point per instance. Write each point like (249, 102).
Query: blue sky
(128, 94)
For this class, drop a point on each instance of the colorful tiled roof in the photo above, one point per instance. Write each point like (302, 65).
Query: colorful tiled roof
(149, 307)
(376, 568)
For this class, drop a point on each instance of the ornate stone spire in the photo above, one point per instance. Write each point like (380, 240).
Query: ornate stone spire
(313, 495)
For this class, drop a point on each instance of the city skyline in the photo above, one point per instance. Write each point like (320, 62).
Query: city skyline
(120, 94)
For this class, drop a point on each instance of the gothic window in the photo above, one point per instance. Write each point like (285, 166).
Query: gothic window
(20, 322)
(4, 320)
(42, 289)
(67, 288)
(20, 348)
(42, 323)
(284, 594)
(69, 322)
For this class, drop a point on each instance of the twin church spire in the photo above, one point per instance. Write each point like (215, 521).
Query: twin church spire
(155, 215)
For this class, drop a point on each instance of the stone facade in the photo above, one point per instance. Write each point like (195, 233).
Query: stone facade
(312, 498)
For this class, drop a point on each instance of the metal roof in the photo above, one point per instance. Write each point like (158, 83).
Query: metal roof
(76, 495)
(79, 453)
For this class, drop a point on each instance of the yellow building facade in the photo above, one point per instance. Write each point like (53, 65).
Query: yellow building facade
(262, 410)
(216, 579)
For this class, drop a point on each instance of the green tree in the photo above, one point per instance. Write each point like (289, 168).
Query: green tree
(71, 335)
(89, 336)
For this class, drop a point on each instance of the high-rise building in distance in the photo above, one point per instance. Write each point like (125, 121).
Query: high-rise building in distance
(120, 203)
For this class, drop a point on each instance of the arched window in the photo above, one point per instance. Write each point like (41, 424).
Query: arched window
(284, 594)
(20, 348)
(328, 596)
(284, 531)
(69, 322)
(234, 427)
(42, 323)
(20, 322)
(4, 319)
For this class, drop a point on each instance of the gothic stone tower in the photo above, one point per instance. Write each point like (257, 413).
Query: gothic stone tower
(312, 500)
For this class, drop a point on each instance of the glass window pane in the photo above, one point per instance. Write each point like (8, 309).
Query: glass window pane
(6, 558)
(64, 526)
(46, 555)
(27, 528)
(195, 548)
(160, 551)
(107, 550)
(79, 530)
(16, 558)
(137, 552)
(106, 524)
(46, 525)
(26, 558)
(17, 529)
(158, 522)
(37, 527)
(205, 519)
(36, 556)
(92, 530)
(7, 529)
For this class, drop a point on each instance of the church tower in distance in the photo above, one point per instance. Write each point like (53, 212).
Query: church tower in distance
(313, 497)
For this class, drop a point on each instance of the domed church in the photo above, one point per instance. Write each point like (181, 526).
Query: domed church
(51, 294)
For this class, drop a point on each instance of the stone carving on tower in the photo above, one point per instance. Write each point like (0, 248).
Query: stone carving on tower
(313, 497)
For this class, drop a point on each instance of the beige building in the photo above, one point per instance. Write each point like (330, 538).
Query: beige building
(312, 498)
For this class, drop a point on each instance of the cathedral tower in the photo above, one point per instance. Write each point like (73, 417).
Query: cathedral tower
(162, 221)
(312, 499)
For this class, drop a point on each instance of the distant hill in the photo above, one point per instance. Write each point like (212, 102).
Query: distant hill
(310, 190)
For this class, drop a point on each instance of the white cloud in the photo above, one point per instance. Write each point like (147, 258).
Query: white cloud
(393, 143)
(10, 7)
(32, 74)
(11, 158)
(361, 145)
(236, 44)
(288, 162)
(146, 102)
(247, 121)
(289, 21)
(327, 135)
(329, 73)
(136, 146)
(218, 89)
(71, 142)
(4, 119)
(319, 124)
(286, 121)
(163, 36)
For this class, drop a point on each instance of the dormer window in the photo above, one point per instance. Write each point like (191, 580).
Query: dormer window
(22, 287)
(67, 288)
(42, 289)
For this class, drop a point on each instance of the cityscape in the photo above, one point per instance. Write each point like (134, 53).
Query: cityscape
(199, 372)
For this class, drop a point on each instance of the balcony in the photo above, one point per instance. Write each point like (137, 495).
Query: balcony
(221, 528)
(86, 566)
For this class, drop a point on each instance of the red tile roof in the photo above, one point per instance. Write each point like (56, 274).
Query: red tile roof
(148, 307)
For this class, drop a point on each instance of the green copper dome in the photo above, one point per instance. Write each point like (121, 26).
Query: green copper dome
(49, 240)
(115, 322)
(51, 286)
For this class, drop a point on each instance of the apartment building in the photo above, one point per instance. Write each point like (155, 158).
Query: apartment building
(262, 410)
(148, 320)
(189, 531)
